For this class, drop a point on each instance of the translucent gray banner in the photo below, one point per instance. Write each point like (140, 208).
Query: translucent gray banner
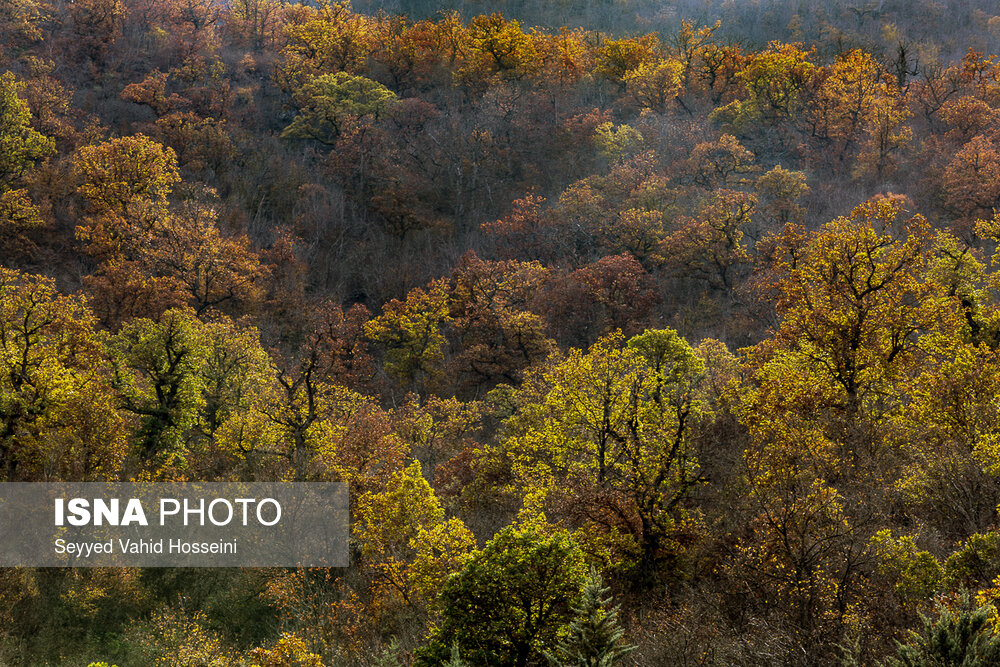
(196, 524)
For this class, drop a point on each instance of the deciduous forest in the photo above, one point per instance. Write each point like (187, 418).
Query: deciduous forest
(643, 333)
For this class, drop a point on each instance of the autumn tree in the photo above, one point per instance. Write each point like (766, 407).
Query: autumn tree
(616, 143)
(257, 23)
(718, 74)
(409, 545)
(412, 333)
(157, 377)
(970, 180)
(170, 254)
(844, 93)
(778, 194)
(710, 245)
(494, 327)
(21, 23)
(936, 84)
(408, 53)
(720, 163)
(203, 145)
(886, 137)
(854, 300)
(57, 415)
(617, 57)
(620, 288)
(97, 24)
(655, 84)
(775, 82)
(498, 46)
(328, 38)
(125, 183)
(437, 430)
(327, 101)
(510, 600)
(566, 57)
(529, 231)
(310, 424)
(187, 384)
(688, 44)
(50, 100)
(152, 92)
(213, 269)
(611, 429)
(20, 147)
(859, 310)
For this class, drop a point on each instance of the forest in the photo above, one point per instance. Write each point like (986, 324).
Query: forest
(642, 332)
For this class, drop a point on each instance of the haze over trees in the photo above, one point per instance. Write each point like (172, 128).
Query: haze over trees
(642, 333)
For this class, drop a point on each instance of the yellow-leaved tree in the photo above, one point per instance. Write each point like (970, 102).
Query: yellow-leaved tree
(604, 436)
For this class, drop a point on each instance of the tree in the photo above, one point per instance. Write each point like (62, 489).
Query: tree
(967, 116)
(50, 100)
(497, 46)
(710, 245)
(20, 145)
(202, 144)
(961, 637)
(860, 312)
(615, 143)
(605, 436)
(719, 71)
(213, 269)
(778, 192)
(621, 290)
(493, 325)
(188, 384)
(775, 82)
(655, 85)
(327, 101)
(845, 92)
(158, 379)
(257, 23)
(566, 57)
(408, 53)
(688, 44)
(412, 333)
(122, 289)
(329, 38)
(21, 23)
(971, 181)
(57, 416)
(855, 299)
(617, 57)
(720, 163)
(142, 241)
(885, 136)
(509, 601)
(437, 429)
(97, 24)
(17, 215)
(152, 92)
(236, 372)
(178, 637)
(408, 544)
(125, 177)
(637, 231)
(594, 638)
(289, 651)
(309, 424)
